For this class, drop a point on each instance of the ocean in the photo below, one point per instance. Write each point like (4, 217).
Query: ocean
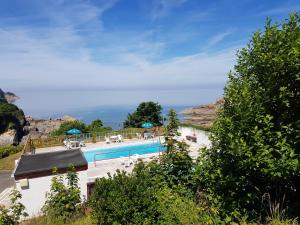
(112, 116)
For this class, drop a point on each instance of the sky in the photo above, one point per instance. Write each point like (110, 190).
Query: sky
(58, 54)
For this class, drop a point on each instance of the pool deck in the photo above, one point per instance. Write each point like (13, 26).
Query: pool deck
(103, 167)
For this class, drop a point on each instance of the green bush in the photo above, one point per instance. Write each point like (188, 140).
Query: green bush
(255, 139)
(11, 117)
(9, 150)
(63, 201)
(16, 211)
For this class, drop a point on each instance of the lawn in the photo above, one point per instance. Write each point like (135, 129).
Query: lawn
(8, 163)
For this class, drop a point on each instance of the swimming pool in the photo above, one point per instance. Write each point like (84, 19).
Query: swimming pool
(121, 151)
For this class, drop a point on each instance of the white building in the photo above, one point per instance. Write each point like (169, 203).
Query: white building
(34, 173)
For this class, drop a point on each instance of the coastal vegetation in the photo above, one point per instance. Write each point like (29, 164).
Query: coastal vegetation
(93, 127)
(9, 150)
(145, 112)
(11, 117)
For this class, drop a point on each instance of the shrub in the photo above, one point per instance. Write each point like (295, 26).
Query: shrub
(255, 139)
(63, 201)
(15, 212)
(9, 150)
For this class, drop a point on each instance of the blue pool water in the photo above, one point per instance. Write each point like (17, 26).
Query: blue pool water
(116, 152)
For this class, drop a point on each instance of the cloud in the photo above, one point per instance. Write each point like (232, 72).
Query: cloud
(62, 56)
(218, 38)
(283, 9)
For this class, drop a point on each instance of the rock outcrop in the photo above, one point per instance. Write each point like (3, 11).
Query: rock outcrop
(203, 115)
(8, 96)
(9, 137)
(42, 128)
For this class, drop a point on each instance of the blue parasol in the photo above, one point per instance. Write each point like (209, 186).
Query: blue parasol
(74, 131)
(147, 125)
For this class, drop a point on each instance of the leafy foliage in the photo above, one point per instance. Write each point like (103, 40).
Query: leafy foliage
(256, 138)
(9, 150)
(11, 117)
(95, 126)
(142, 197)
(68, 125)
(16, 211)
(173, 124)
(63, 201)
(145, 112)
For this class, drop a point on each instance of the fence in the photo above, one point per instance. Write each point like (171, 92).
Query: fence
(91, 137)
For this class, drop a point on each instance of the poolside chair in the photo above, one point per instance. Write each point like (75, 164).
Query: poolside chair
(82, 144)
(107, 140)
(120, 138)
(138, 135)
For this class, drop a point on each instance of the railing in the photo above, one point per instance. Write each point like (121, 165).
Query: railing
(90, 137)
(160, 149)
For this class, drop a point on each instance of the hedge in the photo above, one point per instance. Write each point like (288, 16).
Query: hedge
(9, 150)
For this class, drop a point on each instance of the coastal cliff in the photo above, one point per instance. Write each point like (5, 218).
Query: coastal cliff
(203, 115)
(8, 96)
(15, 127)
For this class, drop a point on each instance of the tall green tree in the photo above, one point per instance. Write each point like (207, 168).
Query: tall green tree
(256, 138)
(97, 126)
(145, 112)
(173, 124)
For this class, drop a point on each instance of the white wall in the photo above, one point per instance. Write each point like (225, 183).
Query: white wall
(33, 198)
(202, 136)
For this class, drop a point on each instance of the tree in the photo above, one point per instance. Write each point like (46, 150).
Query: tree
(16, 211)
(68, 125)
(173, 124)
(145, 112)
(97, 126)
(63, 201)
(256, 137)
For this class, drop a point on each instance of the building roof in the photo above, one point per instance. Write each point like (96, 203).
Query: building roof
(42, 164)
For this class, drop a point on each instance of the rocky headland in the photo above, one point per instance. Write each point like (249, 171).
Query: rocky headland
(15, 127)
(203, 115)
(8, 96)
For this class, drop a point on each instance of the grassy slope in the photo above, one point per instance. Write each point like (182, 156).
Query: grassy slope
(8, 163)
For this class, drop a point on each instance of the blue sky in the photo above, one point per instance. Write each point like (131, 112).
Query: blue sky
(126, 45)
